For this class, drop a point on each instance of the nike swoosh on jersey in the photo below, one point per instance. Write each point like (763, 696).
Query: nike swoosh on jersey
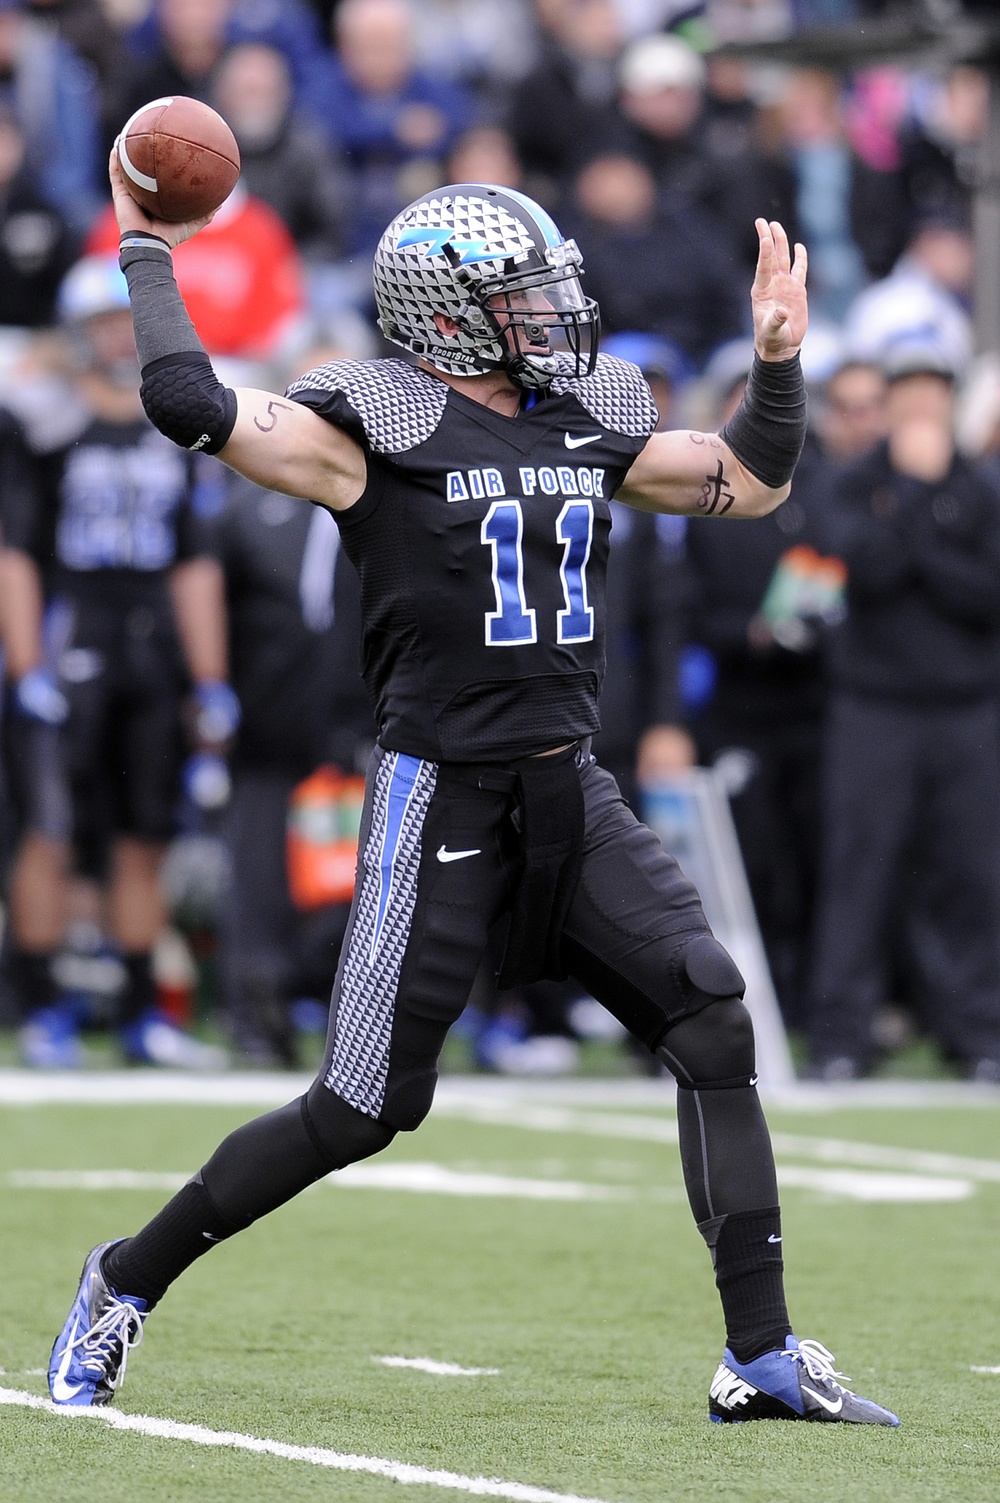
(772, 1238)
(578, 443)
(834, 1406)
(63, 1392)
(446, 855)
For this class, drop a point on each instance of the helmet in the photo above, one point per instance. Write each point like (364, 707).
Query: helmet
(493, 261)
(94, 285)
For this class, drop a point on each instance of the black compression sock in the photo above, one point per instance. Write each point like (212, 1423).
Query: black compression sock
(139, 995)
(31, 973)
(146, 1264)
(746, 1250)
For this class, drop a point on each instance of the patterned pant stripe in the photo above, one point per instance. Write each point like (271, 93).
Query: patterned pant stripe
(401, 795)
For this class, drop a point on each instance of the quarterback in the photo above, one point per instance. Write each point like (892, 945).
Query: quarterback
(471, 485)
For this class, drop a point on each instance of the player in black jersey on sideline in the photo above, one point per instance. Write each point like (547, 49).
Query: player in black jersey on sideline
(472, 494)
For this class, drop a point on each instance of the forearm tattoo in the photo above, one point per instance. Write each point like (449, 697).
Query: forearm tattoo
(715, 489)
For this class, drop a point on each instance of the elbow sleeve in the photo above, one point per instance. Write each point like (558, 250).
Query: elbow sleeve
(186, 401)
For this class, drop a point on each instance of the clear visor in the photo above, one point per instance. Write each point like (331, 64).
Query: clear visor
(545, 311)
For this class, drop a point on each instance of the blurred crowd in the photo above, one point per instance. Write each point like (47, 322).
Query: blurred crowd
(184, 726)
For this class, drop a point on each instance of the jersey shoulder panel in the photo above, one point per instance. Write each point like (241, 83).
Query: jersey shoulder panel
(617, 396)
(396, 405)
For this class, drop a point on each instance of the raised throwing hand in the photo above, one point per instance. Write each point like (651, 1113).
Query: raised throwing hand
(778, 296)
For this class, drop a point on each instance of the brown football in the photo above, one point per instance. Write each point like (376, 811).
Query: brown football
(179, 158)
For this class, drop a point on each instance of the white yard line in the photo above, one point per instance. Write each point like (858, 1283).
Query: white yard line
(395, 1471)
(439, 1369)
(650, 1129)
(984, 1369)
(865, 1185)
(439, 1179)
(504, 1103)
(93, 1179)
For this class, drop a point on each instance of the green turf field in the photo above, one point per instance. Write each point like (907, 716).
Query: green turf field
(599, 1313)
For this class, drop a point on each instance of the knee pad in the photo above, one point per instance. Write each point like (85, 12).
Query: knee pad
(713, 1050)
(339, 1132)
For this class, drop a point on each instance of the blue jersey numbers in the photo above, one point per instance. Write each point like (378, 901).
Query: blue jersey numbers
(513, 623)
(575, 530)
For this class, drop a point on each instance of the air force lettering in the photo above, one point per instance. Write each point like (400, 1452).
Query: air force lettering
(481, 542)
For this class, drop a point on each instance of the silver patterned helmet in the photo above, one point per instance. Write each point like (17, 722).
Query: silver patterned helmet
(491, 260)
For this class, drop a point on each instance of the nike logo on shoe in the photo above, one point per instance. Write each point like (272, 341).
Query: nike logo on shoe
(63, 1392)
(446, 855)
(833, 1406)
(578, 443)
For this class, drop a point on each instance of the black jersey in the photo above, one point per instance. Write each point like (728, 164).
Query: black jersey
(294, 631)
(106, 517)
(482, 543)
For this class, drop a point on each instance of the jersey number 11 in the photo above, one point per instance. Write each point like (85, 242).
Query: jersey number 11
(513, 622)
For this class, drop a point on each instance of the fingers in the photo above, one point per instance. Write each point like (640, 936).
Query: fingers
(765, 252)
(801, 264)
(782, 255)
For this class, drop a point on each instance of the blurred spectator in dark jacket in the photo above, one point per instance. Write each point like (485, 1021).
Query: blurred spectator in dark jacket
(662, 83)
(853, 217)
(190, 37)
(940, 143)
(87, 27)
(294, 627)
(653, 262)
(286, 160)
(36, 245)
(564, 111)
(53, 95)
(484, 46)
(760, 596)
(911, 802)
(851, 410)
(485, 154)
(394, 123)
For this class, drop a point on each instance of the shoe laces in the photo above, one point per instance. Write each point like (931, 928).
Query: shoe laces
(818, 1363)
(116, 1330)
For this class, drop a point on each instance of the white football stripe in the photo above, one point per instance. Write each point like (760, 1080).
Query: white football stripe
(395, 1471)
(984, 1369)
(128, 166)
(439, 1369)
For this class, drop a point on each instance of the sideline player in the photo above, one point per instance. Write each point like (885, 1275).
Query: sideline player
(472, 494)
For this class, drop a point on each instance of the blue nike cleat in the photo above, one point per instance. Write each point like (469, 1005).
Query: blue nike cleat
(89, 1357)
(798, 1383)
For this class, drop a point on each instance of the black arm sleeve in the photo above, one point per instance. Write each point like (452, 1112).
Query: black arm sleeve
(180, 391)
(768, 429)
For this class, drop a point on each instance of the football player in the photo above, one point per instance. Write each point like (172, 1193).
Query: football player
(471, 486)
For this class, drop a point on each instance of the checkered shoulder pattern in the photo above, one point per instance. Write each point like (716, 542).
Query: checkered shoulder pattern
(399, 405)
(617, 396)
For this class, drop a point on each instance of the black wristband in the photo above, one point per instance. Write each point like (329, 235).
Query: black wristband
(137, 243)
(767, 430)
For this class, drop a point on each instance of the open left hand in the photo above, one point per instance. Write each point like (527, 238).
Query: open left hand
(778, 296)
